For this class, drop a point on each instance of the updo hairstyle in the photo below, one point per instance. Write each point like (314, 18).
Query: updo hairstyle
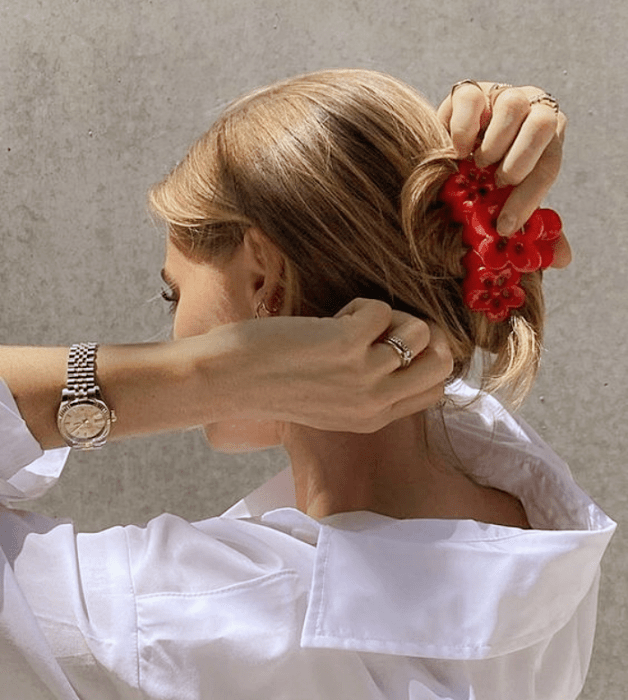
(341, 171)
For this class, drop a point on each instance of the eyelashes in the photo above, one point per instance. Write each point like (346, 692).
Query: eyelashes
(170, 296)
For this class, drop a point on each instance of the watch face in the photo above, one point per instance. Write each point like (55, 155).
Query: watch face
(84, 421)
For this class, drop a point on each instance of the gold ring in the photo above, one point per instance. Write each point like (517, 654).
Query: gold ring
(404, 352)
(499, 86)
(466, 81)
(545, 98)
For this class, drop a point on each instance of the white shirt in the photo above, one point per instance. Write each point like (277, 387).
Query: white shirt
(266, 602)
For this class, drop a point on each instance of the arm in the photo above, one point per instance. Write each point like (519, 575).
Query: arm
(326, 373)
(140, 382)
(330, 374)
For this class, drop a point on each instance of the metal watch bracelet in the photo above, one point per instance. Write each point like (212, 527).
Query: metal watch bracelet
(84, 419)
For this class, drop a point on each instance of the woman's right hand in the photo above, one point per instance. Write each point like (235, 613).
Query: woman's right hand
(335, 373)
(501, 125)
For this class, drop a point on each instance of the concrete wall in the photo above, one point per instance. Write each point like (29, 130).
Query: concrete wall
(99, 98)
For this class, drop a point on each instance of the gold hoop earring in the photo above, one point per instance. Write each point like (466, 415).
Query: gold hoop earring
(274, 306)
(262, 307)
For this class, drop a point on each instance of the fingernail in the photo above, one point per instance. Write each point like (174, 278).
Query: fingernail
(506, 225)
(480, 161)
(499, 179)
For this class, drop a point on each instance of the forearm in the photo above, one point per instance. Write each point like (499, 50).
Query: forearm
(151, 387)
(330, 374)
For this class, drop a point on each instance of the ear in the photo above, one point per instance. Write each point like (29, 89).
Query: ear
(267, 264)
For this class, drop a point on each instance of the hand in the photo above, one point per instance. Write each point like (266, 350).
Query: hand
(335, 374)
(502, 126)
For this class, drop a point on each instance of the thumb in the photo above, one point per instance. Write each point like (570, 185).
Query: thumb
(562, 253)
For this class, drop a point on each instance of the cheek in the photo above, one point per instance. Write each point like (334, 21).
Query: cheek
(244, 435)
(187, 323)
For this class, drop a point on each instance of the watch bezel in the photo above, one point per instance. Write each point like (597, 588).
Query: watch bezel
(88, 443)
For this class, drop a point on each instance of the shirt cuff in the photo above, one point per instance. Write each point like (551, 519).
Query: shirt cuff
(26, 471)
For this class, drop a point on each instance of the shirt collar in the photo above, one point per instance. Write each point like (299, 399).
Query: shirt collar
(448, 589)
(451, 589)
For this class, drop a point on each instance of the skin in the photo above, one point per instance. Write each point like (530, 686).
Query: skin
(296, 369)
(388, 472)
(501, 126)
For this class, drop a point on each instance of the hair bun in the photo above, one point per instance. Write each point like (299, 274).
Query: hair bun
(439, 246)
(512, 346)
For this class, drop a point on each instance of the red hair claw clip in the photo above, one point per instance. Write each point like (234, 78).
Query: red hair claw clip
(495, 263)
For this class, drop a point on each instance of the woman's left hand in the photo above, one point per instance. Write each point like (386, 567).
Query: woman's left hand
(506, 125)
(326, 373)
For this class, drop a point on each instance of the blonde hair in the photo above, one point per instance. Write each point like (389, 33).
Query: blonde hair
(341, 171)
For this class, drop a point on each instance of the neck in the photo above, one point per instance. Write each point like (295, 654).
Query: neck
(387, 472)
(390, 472)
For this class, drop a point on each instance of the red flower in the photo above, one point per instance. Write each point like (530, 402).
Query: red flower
(478, 228)
(550, 229)
(472, 187)
(495, 263)
(528, 250)
(495, 292)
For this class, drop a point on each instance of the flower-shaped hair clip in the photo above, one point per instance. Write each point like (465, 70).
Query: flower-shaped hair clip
(494, 264)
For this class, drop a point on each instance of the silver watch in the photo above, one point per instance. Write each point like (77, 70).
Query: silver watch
(83, 418)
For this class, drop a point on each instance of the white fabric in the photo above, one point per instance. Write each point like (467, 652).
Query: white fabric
(267, 602)
(25, 472)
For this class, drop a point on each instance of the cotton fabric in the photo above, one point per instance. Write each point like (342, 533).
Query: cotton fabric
(267, 602)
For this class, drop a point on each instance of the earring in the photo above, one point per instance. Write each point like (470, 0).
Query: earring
(262, 307)
(274, 307)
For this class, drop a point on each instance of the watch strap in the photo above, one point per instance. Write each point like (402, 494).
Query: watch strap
(82, 390)
(82, 372)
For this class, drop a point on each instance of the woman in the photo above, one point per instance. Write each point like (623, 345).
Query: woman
(434, 558)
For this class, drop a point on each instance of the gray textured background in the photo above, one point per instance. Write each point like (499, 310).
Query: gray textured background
(99, 98)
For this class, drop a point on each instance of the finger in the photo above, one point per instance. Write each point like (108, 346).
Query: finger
(510, 109)
(417, 403)
(414, 333)
(536, 133)
(414, 330)
(529, 194)
(370, 318)
(430, 368)
(402, 409)
(470, 110)
(444, 111)
(362, 307)
(562, 253)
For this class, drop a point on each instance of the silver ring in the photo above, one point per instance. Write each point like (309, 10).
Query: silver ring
(466, 81)
(547, 99)
(404, 352)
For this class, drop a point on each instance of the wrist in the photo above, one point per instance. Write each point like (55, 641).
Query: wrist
(150, 387)
(84, 419)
